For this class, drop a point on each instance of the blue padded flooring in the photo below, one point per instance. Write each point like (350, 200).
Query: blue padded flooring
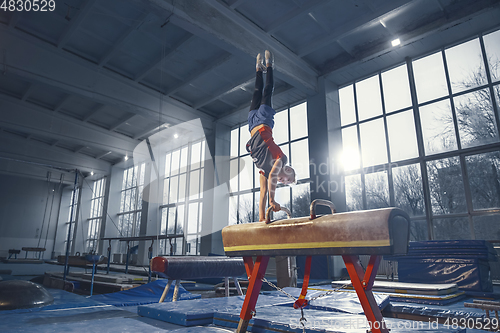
(282, 319)
(201, 311)
(74, 313)
(202, 329)
(338, 301)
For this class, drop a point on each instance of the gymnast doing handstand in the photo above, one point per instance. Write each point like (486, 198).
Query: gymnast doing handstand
(265, 153)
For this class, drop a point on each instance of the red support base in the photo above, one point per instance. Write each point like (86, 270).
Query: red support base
(363, 282)
(258, 271)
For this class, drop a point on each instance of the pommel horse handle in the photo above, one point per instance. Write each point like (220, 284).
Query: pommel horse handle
(320, 202)
(268, 213)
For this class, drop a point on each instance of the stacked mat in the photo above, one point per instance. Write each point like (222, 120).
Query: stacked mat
(464, 262)
(432, 294)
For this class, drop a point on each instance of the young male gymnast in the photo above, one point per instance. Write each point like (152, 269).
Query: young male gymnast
(265, 153)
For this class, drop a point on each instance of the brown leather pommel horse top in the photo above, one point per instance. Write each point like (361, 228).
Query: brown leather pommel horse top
(378, 231)
(374, 232)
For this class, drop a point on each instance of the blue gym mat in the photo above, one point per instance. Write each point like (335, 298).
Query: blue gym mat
(282, 319)
(338, 301)
(201, 311)
(202, 329)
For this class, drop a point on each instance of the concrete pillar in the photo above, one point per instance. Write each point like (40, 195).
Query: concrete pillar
(325, 147)
(208, 196)
(103, 245)
(220, 193)
(110, 220)
(150, 213)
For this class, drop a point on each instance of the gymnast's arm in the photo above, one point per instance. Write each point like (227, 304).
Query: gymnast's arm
(263, 198)
(272, 182)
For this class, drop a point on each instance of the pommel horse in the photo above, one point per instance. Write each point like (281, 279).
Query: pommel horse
(371, 232)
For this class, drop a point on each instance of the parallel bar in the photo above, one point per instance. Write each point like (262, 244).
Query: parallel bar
(139, 238)
(226, 286)
(237, 285)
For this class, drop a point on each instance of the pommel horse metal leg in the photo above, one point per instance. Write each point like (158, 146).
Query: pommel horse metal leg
(258, 271)
(362, 281)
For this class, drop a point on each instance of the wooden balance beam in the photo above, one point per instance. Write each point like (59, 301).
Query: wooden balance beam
(370, 232)
(196, 267)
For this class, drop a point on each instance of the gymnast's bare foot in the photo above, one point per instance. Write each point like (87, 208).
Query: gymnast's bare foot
(259, 66)
(269, 59)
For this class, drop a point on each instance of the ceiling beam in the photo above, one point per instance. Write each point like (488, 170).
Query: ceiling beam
(206, 69)
(439, 5)
(353, 26)
(122, 121)
(119, 42)
(451, 18)
(38, 152)
(321, 24)
(343, 47)
(96, 110)
(148, 132)
(76, 76)
(79, 150)
(26, 117)
(236, 4)
(224, 91)
(102, 155)
(221, 25)
(307, 7)
(164, 56)
(75, 22)
(28, 92)
(62, 102)
(14, 19)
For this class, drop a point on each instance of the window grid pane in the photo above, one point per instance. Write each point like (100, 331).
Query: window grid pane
(472, 118)
(465, 66)
(430, 78)
(396, 89)
(182, 194)
(368, 98)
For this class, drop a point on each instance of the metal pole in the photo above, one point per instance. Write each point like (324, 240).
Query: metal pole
(109, 256)
(69, 228)
(150, 256)
(128, 253)
(92, 282)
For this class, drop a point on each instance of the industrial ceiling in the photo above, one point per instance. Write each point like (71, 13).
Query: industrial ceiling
(82, 85)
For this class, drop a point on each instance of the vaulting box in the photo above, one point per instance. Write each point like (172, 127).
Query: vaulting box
(378, 231)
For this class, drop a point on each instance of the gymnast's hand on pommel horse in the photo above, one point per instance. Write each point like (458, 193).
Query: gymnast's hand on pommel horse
(374, 232)
(265, 153)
